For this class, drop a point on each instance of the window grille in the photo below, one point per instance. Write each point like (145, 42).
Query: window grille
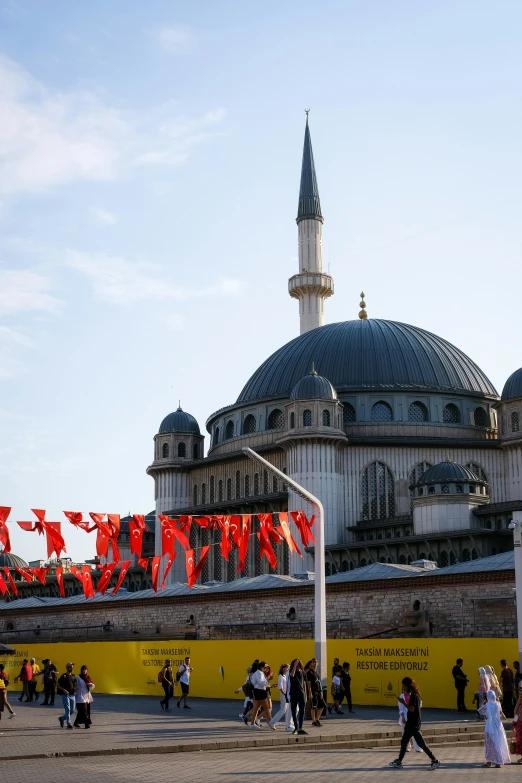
(292, 420)
(418, 412)
(229, 430)
(216, 435)
(256, 484)
(182, 450)
(326, 418)
(203, 493)
(229, 489)
(348, 413)
(381, 411)
(480, 417)
(307, 418)
(196, 451)
(238, 483)
(266, 486)
(165, 450)
(220, 490)
(249, 425)
(247, 486)
(275, 485)
(377, 492)
(451, 414)
(212, 489)
(276, 420)
(515, 422)
(195, 495)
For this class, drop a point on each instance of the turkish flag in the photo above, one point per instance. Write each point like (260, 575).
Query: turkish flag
(181, 537)
(105, 578)
(303, 525)
(114, 525)
(266, 549)
(39, 573)
(155, 572)
(102, 534)
(235, 530)
(226, 545)
(123, 573)
(189, 562)
(143, 562)
(203, 522)
(3, 586)
(166, 571)
(246, 522)
(52, 530)
(76, 518)
(167, 535)
(185, 522)
(266, 524)
(197, 570)
(287, 535)
(59, 579)
(10, 579)
(136, 530)
(26, 575)
(4, 532)
(88, 588)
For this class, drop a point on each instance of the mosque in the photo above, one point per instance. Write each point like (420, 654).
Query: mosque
(412, 451)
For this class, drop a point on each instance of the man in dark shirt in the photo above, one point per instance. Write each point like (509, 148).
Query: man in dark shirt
(50, 673)
(508, 686)
(346, 685)
(460, 684)
(413, 724)
(67, 690)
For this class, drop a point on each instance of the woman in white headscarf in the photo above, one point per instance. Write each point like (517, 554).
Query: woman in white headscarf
(484, 686)
(495, 742)
(493, 682)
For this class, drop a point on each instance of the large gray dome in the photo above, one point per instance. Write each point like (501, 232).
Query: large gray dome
(369, 354)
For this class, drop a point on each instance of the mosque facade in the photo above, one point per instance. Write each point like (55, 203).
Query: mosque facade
(409, 446)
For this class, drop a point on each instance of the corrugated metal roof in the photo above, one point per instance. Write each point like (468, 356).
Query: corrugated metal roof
(502, 562)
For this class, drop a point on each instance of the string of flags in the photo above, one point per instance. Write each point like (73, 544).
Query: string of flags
(235, 534)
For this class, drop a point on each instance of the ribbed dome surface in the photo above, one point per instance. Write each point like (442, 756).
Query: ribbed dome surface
(372, 354)
(313, 387)
(7, 559)
(513, 386)
(448, 471)
(179, 421)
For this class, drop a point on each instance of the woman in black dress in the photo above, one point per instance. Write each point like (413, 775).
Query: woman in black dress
(316, 691)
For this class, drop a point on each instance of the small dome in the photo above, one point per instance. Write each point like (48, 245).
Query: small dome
(313, 387)
(513, 386)
(8, 560)
(446, 472)
(179, 421)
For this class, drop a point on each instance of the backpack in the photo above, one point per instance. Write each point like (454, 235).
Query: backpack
(248, 689)
(178, 674)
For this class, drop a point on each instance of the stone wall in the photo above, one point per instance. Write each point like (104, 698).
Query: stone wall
(465, 605)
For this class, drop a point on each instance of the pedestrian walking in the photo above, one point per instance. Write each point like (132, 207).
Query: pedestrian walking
(508, 686)
(84, 686)
(183, 677)
(484, 684)
(315, 691)
(495, 742)
(461, 682)
(517, 725)
(403, 715)
(336, 663)
(4, 683)
(33, 693)
(66, 687)
(166, 678)
(298, 693)
(50, 676)
(261, 686)
(25, 677)
(346, 685)
(413, 724)
(493, 682)
(336, 691)
(249, 693)
(283, 684)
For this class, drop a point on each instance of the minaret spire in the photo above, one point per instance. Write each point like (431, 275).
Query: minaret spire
(311, 286)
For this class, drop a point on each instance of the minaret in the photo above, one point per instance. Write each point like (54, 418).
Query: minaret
(311, 286)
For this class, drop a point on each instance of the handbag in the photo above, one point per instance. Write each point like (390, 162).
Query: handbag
(512, 746)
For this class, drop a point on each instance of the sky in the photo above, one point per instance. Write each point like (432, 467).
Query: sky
(149, 171)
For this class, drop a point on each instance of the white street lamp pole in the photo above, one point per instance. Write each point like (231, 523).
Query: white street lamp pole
(320, 589)
(516, 526)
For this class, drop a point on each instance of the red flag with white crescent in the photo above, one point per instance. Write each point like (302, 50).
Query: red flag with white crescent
(88, 588)
(168, 566)
(76, 519)
(105, 578)
(59, 579)
(189, 562)
(181, 537)
(167, 535)
(244, 538)
(26, 575)
(39, 573)
(143, 562)
(123, 573)
(4, 531)
(224, 526)
(12, 585)
(303, 525)
(197, 570)
(203, 522)
(136, 530)
(235, 530)
(185, 522)
(114, 525)
(155, 572)
(52, 530)
(287, 535)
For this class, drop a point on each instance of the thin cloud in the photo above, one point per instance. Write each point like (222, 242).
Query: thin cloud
(103, 216)
(176, 138)
(26, 291)
(174, 39)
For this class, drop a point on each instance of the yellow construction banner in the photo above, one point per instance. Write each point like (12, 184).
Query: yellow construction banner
(377, 666)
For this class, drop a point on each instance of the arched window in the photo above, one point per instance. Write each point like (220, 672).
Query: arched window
(465, 555)
(381, 411)
(445, 489)
(378, 492)
(422, 556)
(307, 418)
(238, 483)
(229, 430)
(276, 420)
(275, 485)
(212, 489)
(229, 489)
(266, 486)
(326, 418)
(515, 422)
(459, 489)
(417, 412)
(249, 425)
(402, 559)
(362, 562)
(478, 470)
(415, 474)
(256, 484)
(474, 555)
(443, 559)
(247, 486)
(480, 417)
(182, 450)
(292, 420)
(165, 450)
(195, 495)
(196, 450)
(348, 413)
(344, 566)
(220, 490)
(216, 435)
(451, 414)
(203, 493)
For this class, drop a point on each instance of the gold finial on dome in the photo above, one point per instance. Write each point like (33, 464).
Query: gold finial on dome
(448, 458)
(312, 371)
(363, 315)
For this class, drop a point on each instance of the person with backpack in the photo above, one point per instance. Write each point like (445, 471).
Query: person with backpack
(4, 683)
(183, 677)
(248, 690)
(166, 679)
